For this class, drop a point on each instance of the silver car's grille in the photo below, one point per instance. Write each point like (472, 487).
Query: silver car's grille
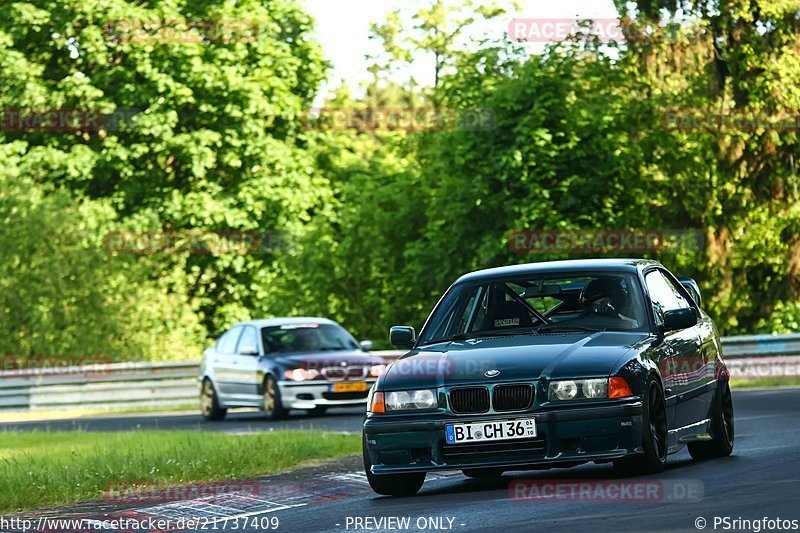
(344, 372)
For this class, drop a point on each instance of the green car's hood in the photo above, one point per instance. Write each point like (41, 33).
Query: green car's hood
(521, 357)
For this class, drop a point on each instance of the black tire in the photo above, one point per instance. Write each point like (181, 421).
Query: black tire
(273, 406)
(722, 427)
(392, 484)
(483, 473)
(209, 404)
(318, 410)
(654, 434)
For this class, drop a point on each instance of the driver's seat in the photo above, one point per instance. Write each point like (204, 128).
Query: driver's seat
(509, 314)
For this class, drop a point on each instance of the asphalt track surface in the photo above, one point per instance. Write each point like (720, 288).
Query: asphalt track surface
(242, 421)
(760, 480)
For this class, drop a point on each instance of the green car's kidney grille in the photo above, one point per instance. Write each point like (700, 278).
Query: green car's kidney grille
(469, 400)
(512, 397)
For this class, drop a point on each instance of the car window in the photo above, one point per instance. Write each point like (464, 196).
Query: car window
(307, 338)
(227, 343)
(606, 301)
(248, 342)
(663, 294)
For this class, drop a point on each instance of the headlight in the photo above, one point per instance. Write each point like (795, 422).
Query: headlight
(376, 370)
(579, 389)
(300, 374)
(413, 399)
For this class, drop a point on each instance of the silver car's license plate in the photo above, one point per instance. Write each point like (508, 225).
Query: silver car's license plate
(520, 428)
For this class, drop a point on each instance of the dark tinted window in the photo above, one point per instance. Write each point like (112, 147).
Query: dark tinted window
(606, 301)
(306, 338)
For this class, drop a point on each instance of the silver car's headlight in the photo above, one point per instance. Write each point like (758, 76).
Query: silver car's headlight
(578, 389)
(412, 399)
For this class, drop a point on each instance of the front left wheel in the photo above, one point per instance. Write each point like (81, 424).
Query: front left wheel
(721, 426)
(392, 484)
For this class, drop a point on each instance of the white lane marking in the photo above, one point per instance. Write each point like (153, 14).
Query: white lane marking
(757, 417)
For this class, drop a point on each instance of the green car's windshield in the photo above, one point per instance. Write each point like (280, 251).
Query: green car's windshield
(544, 304)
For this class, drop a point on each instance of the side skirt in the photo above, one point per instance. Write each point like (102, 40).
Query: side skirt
(677, 438)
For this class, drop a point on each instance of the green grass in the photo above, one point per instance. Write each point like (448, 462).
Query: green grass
(42, 469)
(61, 414)
(741, 383)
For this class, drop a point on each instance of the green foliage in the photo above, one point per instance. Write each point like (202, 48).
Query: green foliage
(63, 296)
(378, 224)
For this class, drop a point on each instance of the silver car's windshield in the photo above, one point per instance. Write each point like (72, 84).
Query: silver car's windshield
(307, 338)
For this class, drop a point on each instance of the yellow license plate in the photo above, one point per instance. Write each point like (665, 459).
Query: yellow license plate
(358, 386)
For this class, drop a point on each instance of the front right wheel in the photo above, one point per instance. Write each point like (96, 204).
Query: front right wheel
(273, 406)
(391, 484)
(654, 434)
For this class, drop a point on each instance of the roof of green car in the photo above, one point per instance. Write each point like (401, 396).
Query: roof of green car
(569, 266)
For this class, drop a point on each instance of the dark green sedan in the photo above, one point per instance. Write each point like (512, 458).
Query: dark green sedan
(551, 365)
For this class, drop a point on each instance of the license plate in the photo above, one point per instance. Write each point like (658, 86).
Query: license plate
(355, 386)
(520, 428)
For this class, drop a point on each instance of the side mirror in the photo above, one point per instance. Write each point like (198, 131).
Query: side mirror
(679, 319)
(365, 345)
(402, 336)
(248, 350)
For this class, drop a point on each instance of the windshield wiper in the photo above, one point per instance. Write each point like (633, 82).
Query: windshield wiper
(558, 329)
(479, 334)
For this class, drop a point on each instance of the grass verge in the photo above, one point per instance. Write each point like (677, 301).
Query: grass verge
(765, 382)
(43, 469)
(63, 414)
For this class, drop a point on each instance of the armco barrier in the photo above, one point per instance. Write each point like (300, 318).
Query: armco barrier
(119, 385)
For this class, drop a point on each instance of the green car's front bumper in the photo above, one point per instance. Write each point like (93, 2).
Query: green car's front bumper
(416, 443)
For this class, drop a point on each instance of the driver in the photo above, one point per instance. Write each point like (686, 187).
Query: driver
(606, 297)
(305, 340)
